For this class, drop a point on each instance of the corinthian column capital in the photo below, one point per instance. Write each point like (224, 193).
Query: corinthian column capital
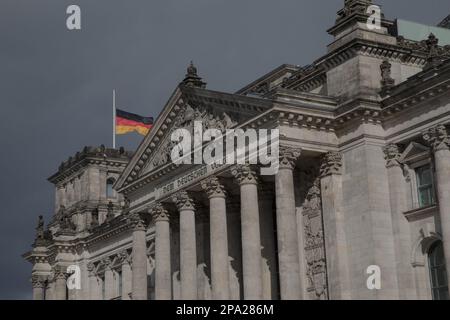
(136, 222)
(392, 155)
(213, 188)
(60, 273)
(331, 164)
(437, 137)
(244, 175)
(107, 262)
(159, 213)
(183, 201)
(288, 157)
(91, 269)
(37, 281)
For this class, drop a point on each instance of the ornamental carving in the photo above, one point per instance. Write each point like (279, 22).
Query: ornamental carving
(387, 81)
(91, 268)
(288, 156)
(159, 213)
(136, 221)
(37, 281)
(429, 46)
(209, 118)
(314, 245)
(43, 237)
(437, 137)
(392, 155)
(352, 7)
(331, 164)
(244, 175)
(124, 257)
(213, 188)
(106, 263)
(183, 201)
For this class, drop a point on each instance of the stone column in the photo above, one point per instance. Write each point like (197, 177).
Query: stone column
(38, 287)
(439, 139)
(94, 290)
(288, 253)
(188, 249)
(163, 278)
(219, 238)
(126, 275)
(250, 232)
(139, 259)
(334, 227)
(400, 225)
(60, 285)
(109, 280)
(49, 289)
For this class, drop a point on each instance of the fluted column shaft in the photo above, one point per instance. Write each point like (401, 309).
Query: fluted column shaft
(188, 246)
(288, 253)
(250, 232)
(163, 279)
(94, 288)
(218, 238)
(139, 258)
(126, 278)
(439, 138)
(400, 225)
(38, 288)
(60, 286)
(109, 282)
(334, 227)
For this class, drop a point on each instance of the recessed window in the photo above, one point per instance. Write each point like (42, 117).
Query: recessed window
(425, 186)
(109, 188)
(103, 287)
(438, 272)
(119, 283)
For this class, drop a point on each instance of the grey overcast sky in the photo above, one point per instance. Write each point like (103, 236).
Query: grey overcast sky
(55, 84)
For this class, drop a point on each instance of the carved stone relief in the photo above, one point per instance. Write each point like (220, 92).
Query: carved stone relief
(185, 120)
(314, 245)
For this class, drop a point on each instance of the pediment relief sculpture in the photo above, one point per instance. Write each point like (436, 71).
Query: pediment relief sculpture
(210, 119)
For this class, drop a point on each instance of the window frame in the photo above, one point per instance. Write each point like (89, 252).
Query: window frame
(430, 187)
(433, 269)
(110, 192)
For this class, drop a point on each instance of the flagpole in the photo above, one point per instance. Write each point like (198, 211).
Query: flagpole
(114, 119)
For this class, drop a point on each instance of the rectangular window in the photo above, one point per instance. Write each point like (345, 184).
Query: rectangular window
(119, 283)
(103, 287)
(425, 186)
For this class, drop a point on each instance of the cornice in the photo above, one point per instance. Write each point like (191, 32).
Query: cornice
(420, 88)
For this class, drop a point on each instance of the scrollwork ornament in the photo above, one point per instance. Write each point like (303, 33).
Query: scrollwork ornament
(37, 281)
(288, 157)
(183, 201)
(213, 188)
(392, 155)
(331, 164)
(159, 213)
(244, 175)
(136, 222)
(437, 138)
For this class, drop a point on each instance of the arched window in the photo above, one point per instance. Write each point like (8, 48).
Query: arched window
(438, 272)
(109, 188)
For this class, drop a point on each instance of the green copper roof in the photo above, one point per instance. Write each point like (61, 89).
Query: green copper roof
(416, 31)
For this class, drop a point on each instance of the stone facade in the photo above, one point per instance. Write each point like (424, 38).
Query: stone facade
(364, 180)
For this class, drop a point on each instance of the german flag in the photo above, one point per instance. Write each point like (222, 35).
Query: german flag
(128, 122)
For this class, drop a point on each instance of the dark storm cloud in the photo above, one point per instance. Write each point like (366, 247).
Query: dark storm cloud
(55, 84)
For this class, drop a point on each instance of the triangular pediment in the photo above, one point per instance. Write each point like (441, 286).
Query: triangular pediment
(187, 104)
(414, 152)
